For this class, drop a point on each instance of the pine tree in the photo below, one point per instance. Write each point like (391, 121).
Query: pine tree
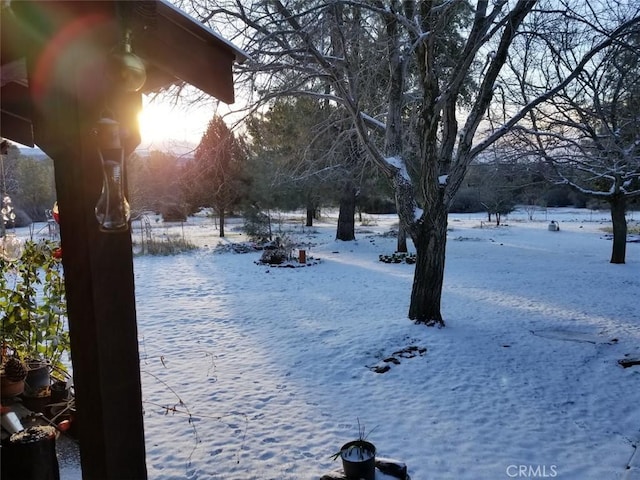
(216, 177)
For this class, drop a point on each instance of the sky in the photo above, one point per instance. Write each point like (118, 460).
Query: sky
(165, 125)
(168, 127)
(255, 372)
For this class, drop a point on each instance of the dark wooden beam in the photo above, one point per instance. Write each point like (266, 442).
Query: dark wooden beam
(102, 322)
(16, 128)
(101, 308)
(16, 100)
(157, 79)
(98, 266)
(186, 50)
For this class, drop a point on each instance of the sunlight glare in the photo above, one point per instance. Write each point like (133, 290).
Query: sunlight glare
(162, 123)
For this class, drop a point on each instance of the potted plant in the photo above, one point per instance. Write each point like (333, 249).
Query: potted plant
(12, 375)
(358, 457)
(33, 313)
(359, 460)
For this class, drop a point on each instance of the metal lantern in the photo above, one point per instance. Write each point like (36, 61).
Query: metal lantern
(112, 209)
(128, 69)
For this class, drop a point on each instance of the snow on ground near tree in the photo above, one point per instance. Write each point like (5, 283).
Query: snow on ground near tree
(269, 368)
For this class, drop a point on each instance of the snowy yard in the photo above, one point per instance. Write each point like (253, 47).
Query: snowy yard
(251, 372)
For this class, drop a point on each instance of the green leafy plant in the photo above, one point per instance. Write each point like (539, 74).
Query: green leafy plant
(33, 307)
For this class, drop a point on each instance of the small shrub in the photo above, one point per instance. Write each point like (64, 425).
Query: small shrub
(632, 229)
(377, 205)
(172, 212)
(368, 222)
(558, 197)
(466, 201)
(398, 257)
(277, 252)
(273, 257)
(257, 225)
(168, 246)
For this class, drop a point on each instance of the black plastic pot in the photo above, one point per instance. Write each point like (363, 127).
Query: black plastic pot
(38, 379)
(59, 391)
(31, 455)
(359, 460)
(37, 388)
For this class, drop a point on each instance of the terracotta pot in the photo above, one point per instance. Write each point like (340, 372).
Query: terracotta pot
(9, 388)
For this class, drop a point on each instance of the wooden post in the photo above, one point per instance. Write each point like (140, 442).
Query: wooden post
(98, 270)
(66, 45)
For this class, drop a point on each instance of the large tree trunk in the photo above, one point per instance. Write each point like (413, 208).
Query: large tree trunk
(346, 217)
(402, 238)
(619, 221)
(311, 210)
(221, 213)
(426, 293)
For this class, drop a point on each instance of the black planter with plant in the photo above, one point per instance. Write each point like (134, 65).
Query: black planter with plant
(37, 391)
(59, 391)
(38, 380)
(358, 457)
(31, 455)
(359, 460)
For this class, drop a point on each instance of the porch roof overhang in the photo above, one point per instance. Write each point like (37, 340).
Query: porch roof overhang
(174, 47)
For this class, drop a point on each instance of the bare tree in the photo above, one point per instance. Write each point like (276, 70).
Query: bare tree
(496, 192)
(589, 132)
(442, 64)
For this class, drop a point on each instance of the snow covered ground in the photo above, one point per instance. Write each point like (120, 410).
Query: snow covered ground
(252, 372)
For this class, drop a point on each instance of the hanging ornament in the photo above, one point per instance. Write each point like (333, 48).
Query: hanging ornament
(7, 212)
(10, 247)
(127, 68)
(112, 210)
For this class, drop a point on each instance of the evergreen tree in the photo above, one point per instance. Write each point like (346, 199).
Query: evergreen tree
(216, 177)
